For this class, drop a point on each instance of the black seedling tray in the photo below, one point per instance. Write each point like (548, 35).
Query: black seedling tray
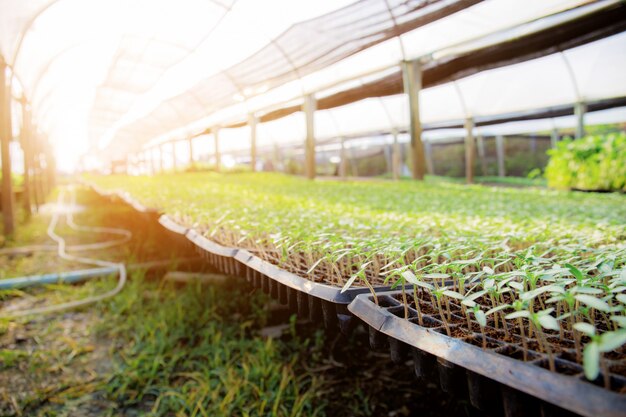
(317, 301)
(148, 214)
(493, 379)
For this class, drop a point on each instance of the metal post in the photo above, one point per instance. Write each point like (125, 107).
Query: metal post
(579, 111)
(161, 158)
(276, 156)
(412, 77)
(50, 168)
(191, 159)
(252, 121)
(469, 150)
(153, 167)
(174, 162)
(343, 162)
(554, 137)
(428, 151)
(395, 156)
(35, 165)
(481, 154)
(308, 107)
(218, 159)
(8, 204)
(25, 139)
(500, 152)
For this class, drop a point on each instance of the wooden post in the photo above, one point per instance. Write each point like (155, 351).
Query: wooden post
(8, 203)
(25, 139)
(252, 121)
(500, 152)
(579, 111)
(308, 107)
(216, 143)
(412, 77)
(469, 150)
(554, 137)
(395, 156)
(343, 162)
(482, 155)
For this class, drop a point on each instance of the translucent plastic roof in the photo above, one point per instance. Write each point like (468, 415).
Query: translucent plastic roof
(587, 73)
(123, 73)
(208, 104)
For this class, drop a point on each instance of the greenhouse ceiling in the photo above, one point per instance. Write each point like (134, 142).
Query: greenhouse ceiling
(120, 74)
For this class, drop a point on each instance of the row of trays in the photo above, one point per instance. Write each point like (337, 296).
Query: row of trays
(493, 380)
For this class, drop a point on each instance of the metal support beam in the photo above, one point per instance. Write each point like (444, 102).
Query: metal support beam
(428, 152)
(174, 162)
(277, 158)
(412, 77)
(252, 121)
(218, 158)
(191, 158)
(469, 150)
(153, 167)
(308, 107)
(161, 158)
(395, 156)
(25, 133)
(579, 111)
(8, 204)
(500, 153)
(554, 137)
(343, 160)
(480, 142)
(51, 168)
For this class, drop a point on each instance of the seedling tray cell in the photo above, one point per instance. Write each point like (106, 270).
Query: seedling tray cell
(490, 378)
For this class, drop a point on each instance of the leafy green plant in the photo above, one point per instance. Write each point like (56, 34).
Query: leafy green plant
(591, 163)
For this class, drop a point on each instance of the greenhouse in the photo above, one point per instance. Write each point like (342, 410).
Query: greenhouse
(294, 208)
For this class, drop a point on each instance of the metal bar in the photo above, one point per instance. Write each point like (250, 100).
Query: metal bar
(343, 162)
(191, 159)
(309, 148)
(428, 151)
(174, 162)
(153, 167)
(500, 152)
(480, 142)
(579, 111)
(252, 121)
(469, 150)
(25, 139)
(412, 77)
(8, 204)
(161, 161)
(554, 137)
(216, 137)
(395, 156)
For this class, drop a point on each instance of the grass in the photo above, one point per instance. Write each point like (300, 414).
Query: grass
(161, 349)
(544, 267)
